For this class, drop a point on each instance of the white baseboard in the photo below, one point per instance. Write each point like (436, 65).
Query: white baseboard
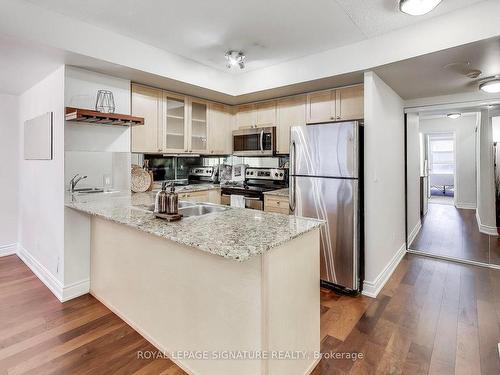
(373, 288)
(8, 249)
(414, 232)
(486, 229)
(465, 206)
(62, 292)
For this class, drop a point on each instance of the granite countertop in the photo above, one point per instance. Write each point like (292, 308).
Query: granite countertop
(236, 233)
(279, 192)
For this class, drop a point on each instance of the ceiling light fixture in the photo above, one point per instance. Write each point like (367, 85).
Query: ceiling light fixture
(234, 58)
(417, 7)
(454, 115)
(491, 86)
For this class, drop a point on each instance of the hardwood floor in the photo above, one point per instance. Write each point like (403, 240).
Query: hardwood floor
(452, 232)
(432, 317)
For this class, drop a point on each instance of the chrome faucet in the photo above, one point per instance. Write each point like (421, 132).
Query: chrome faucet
(75, 180)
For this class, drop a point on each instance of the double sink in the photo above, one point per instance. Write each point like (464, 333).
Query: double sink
(188, 209)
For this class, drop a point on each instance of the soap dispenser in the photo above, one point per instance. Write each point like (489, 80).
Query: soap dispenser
(161, 199)
(172, 201)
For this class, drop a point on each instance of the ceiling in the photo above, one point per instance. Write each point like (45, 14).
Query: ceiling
(269, 32)
(443, 72)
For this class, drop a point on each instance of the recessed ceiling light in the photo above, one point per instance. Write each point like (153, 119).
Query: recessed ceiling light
(491, 86)
(454, 115)
(234, 58)
(417, 7)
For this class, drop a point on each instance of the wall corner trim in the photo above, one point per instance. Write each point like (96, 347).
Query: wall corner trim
(373, 288)
(486, 229)
(62, 292)
(414, 232)
(9, 249)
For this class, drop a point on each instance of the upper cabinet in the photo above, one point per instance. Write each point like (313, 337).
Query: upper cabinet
(350, 103)
(262, 114)
(198, 129)
(341, 104)
(321, 106)
(291, 112)
(174, 137)
(175, 123)
(147, 103)
(220, 127)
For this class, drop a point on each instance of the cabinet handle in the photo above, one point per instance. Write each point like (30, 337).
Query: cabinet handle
(186, 150)
(338, 117)
(332, 118)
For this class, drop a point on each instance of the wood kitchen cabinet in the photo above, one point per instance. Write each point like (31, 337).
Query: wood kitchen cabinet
(341, 104)
(174, 117)
(275, 203)
(198, 127)
(321, 106)
(206, 196)
(291, 112)
(349, 103)
(147, 103)
(220, 127)
(262, 114)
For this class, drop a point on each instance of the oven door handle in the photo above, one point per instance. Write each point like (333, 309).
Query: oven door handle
(262, 141)
(251, 199)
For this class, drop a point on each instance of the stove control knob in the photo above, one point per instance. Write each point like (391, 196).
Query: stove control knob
(281, 174)
(276, 174)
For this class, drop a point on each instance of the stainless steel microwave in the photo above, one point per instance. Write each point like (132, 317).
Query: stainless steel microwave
(254, 141)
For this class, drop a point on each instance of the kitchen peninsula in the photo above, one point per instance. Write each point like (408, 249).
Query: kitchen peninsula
(231, 281)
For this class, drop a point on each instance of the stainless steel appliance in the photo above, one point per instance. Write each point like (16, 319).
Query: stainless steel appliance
(203, 175)
(256, 182)
(254, 141)
(325, 172)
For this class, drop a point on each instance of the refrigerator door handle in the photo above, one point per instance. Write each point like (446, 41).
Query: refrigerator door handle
(292, 177)
(262, 141)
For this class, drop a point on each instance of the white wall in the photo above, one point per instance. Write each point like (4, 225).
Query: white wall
(413, 174)
(91, 150)
(384, 182)
(465, 168)
(9, 150)
(485, 213)
(41, 182)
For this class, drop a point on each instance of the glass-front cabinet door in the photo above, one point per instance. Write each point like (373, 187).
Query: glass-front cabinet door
(175, 123)
(199, 127)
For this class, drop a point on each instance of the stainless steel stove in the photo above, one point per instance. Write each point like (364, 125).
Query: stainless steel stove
(256, 182)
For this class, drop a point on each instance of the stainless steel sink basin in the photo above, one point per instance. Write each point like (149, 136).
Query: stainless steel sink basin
(151, 207)
(88, 190)
(200, 209)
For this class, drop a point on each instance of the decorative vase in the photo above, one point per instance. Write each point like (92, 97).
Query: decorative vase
(105, 102)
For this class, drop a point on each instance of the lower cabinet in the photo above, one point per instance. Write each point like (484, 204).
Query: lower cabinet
(206, 196)
(276, 203)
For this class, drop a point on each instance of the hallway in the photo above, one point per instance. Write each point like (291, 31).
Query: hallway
(452, 232)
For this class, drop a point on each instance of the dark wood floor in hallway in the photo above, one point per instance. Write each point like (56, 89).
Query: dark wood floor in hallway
(432, 317)
(452, 232)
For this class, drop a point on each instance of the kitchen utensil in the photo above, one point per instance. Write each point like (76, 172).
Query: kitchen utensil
(140, 181)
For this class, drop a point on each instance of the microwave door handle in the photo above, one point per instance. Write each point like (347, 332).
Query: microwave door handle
(262, 141)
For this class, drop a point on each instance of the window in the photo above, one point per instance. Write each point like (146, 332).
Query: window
(441, 155)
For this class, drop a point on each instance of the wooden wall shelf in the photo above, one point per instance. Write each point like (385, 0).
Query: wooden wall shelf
(95, 117)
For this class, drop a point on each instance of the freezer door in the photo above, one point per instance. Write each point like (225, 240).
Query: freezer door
(326, 150)
(336, 202)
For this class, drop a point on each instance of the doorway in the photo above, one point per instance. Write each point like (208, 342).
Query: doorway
(447, 158)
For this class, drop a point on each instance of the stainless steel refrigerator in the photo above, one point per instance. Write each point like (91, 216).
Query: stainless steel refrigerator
(325, 161)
